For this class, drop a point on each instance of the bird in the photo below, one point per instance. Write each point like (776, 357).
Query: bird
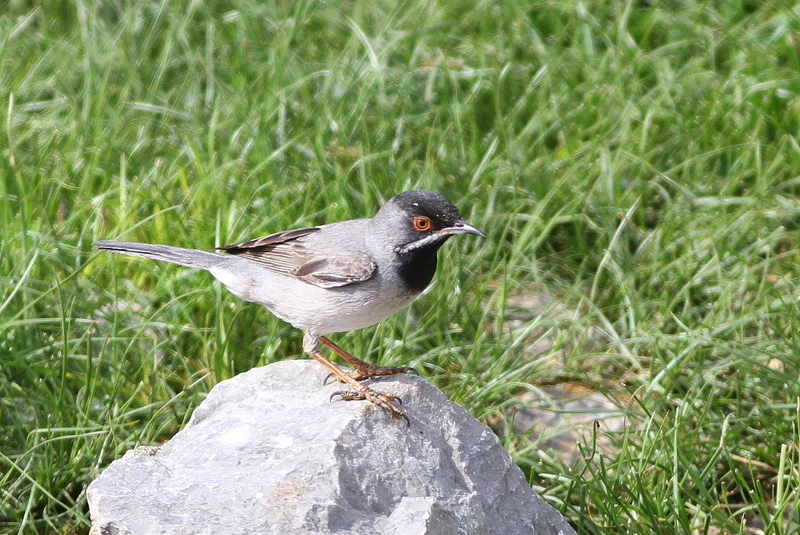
(333, 278)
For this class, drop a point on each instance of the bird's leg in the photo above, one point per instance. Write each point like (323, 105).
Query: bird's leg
(383, 400)
(363, 369)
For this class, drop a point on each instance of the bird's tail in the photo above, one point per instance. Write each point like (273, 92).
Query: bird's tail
(166, 253)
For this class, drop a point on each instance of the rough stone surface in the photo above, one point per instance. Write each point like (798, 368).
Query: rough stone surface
(268, 453)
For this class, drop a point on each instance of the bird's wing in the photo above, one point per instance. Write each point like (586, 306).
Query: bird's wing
(286, 253)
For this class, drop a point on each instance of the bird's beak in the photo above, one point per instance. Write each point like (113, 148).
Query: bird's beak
(462, 227)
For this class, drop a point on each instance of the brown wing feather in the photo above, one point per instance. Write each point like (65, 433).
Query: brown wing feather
(285, 252)
(272, 239)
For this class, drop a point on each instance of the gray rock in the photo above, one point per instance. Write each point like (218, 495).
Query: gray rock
(267, 452)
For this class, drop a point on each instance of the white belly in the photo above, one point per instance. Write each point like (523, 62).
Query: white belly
(314, 310)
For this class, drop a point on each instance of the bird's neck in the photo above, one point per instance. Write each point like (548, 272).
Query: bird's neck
(417, 267)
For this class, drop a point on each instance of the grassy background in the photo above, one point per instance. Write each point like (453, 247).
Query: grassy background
(637, 162)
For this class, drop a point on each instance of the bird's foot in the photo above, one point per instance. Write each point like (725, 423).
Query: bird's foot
(384, 400)
(364, 370)
(353, 378)
(371, 370)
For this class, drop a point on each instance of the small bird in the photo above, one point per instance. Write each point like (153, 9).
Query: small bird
(333, 278)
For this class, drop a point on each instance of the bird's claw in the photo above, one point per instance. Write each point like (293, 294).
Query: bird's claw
(363, 375)
(383, 400)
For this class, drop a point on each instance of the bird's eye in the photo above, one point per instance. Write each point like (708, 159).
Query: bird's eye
(422, 223)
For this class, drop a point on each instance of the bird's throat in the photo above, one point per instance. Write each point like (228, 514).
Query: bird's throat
(417, 267)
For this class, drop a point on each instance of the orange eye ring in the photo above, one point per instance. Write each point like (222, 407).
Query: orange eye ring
(422, 223)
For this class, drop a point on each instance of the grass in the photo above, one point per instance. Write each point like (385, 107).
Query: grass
(635, 161)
